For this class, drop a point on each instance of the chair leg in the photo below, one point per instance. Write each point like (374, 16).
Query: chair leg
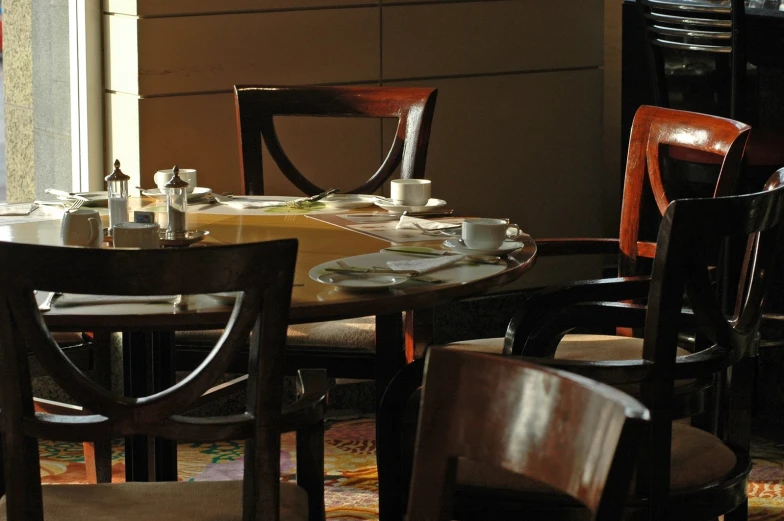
(98, 461)
(310, 468)
(739, 514)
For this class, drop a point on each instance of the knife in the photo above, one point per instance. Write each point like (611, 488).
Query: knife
(483, 259)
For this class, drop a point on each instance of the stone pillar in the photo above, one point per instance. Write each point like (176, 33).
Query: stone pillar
(18, 70)
(37, 97)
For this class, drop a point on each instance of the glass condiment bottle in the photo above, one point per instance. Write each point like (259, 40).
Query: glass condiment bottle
(117, 185)
(176, 203)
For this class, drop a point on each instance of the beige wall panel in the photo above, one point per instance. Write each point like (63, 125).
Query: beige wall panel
(175, 7)
(613, 178)
(128, 7)
(200, 132)
(192, 132)
(482, 37)
(331, 152)
(527, 147)
(121, 59)
(211, 53)
(121, 124)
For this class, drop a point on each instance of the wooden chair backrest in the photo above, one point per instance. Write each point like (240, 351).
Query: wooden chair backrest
(263, 272)
(691, 28)
(258, 105)
(653, 128)
(563, 430)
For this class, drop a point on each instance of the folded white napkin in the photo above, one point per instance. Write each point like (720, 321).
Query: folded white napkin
(425, 265)
(70, 299)
(17, 209)
(251, 205)
(407, 223)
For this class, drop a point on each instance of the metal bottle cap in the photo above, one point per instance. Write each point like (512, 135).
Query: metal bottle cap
(117, 174)
(176, 181)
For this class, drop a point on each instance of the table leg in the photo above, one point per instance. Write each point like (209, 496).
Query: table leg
(148, 367)
(163, 378)
(137, 464)
(390, 358)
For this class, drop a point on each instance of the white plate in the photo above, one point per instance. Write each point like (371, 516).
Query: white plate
(361, 282)
(227, 297)
(349, 201)
(459, 246)
(432, 204)
(197, 193)
(94, 198)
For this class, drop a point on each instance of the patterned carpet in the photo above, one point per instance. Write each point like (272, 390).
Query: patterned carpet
(350, 471)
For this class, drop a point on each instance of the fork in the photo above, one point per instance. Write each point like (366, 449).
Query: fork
(297, 203)
(76, 205)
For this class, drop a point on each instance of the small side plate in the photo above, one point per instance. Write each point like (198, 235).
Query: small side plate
(184, 239)
(198, 193)
(459, 246)
(361, 282)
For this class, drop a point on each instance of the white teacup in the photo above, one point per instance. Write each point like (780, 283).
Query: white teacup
(186, 174)
(410, 192)
(136, 235)
(82, 228)
(488, 234)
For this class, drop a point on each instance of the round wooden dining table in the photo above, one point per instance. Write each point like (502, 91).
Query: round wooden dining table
(312, 301)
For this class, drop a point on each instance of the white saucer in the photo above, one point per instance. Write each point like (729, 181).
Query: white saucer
(432, 204)
(93, 198)
(361, 282)
(349, 201)
(459, 246)
(197, 193)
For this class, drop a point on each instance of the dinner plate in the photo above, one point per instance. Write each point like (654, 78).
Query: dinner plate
(198, 193)
(459, 246)
(349, 201)
(363, 281)
(93, 198)
(432, 204)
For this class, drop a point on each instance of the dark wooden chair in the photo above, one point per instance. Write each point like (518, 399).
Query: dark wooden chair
(685, 472)
(264, 273)
(258, 105)
(572, 435)
(711, 37)
(346, 348)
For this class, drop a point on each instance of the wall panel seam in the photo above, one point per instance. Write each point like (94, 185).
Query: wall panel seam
(249, 11)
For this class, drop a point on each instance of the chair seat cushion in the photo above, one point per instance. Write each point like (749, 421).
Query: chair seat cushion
(164, 501)
(573, 347)
(697, 459)
(353, 333)
(582, 348)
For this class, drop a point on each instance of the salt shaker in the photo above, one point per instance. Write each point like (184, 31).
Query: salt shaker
(176, 203)
(117, 185)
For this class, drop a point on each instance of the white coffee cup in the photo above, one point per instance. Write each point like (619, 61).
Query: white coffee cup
(488, 234)
(410, 192)
(136, 235)
(186, 174)
(82, 228)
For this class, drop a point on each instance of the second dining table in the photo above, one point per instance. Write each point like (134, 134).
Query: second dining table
(148, 326)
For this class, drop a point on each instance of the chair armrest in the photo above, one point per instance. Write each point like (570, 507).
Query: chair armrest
(311, 403)
(542, 309)
(549, 247)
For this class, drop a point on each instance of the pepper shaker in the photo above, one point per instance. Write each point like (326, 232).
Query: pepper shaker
(117, 185)
(176, 203)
